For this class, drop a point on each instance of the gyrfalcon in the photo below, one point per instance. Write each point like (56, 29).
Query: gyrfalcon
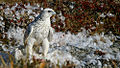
(39, 32)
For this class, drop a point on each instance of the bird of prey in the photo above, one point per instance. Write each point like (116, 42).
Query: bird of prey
(39, 32)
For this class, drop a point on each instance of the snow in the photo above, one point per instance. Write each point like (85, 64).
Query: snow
(101, 22)
(81, 40)
(29, 11)
(31, 17)
(13, 7)
(23, 11)
(62, 54)
(103, 15)
(1, 18)
(110, 14)
(118, 56)
(28, 6)
(61, 16)
(78, 48)
(16, 34)
(61, 57)
(4, 48)
(99, 63)
(2, 24)
(108, 56)
(18, 54)
(72, 5)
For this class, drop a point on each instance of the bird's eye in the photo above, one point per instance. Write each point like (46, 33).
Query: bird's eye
(49, 11)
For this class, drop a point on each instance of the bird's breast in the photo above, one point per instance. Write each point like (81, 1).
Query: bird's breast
(41, 32)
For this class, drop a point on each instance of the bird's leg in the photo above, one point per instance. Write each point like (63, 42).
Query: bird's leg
(45, 45)
(29, 52)
(29, 49)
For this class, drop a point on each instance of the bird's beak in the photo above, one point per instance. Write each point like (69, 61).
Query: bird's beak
(54, 13)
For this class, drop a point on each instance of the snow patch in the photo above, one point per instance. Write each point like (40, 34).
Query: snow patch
(61, 57)
(16, 34)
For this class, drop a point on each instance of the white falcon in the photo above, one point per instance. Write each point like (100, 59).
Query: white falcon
(39, 32)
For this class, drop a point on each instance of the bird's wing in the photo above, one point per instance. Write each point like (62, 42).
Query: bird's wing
(50, 35)
(28, 33)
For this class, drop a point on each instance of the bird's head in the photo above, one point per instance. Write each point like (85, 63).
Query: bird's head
(47, 13)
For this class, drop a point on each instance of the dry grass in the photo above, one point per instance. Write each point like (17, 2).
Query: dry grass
(84, 14)
(37, 63)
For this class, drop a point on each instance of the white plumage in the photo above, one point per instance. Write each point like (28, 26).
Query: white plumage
(39, 32)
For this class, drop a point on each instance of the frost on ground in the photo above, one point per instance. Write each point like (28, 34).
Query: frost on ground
(16, 34)
(81, 49)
